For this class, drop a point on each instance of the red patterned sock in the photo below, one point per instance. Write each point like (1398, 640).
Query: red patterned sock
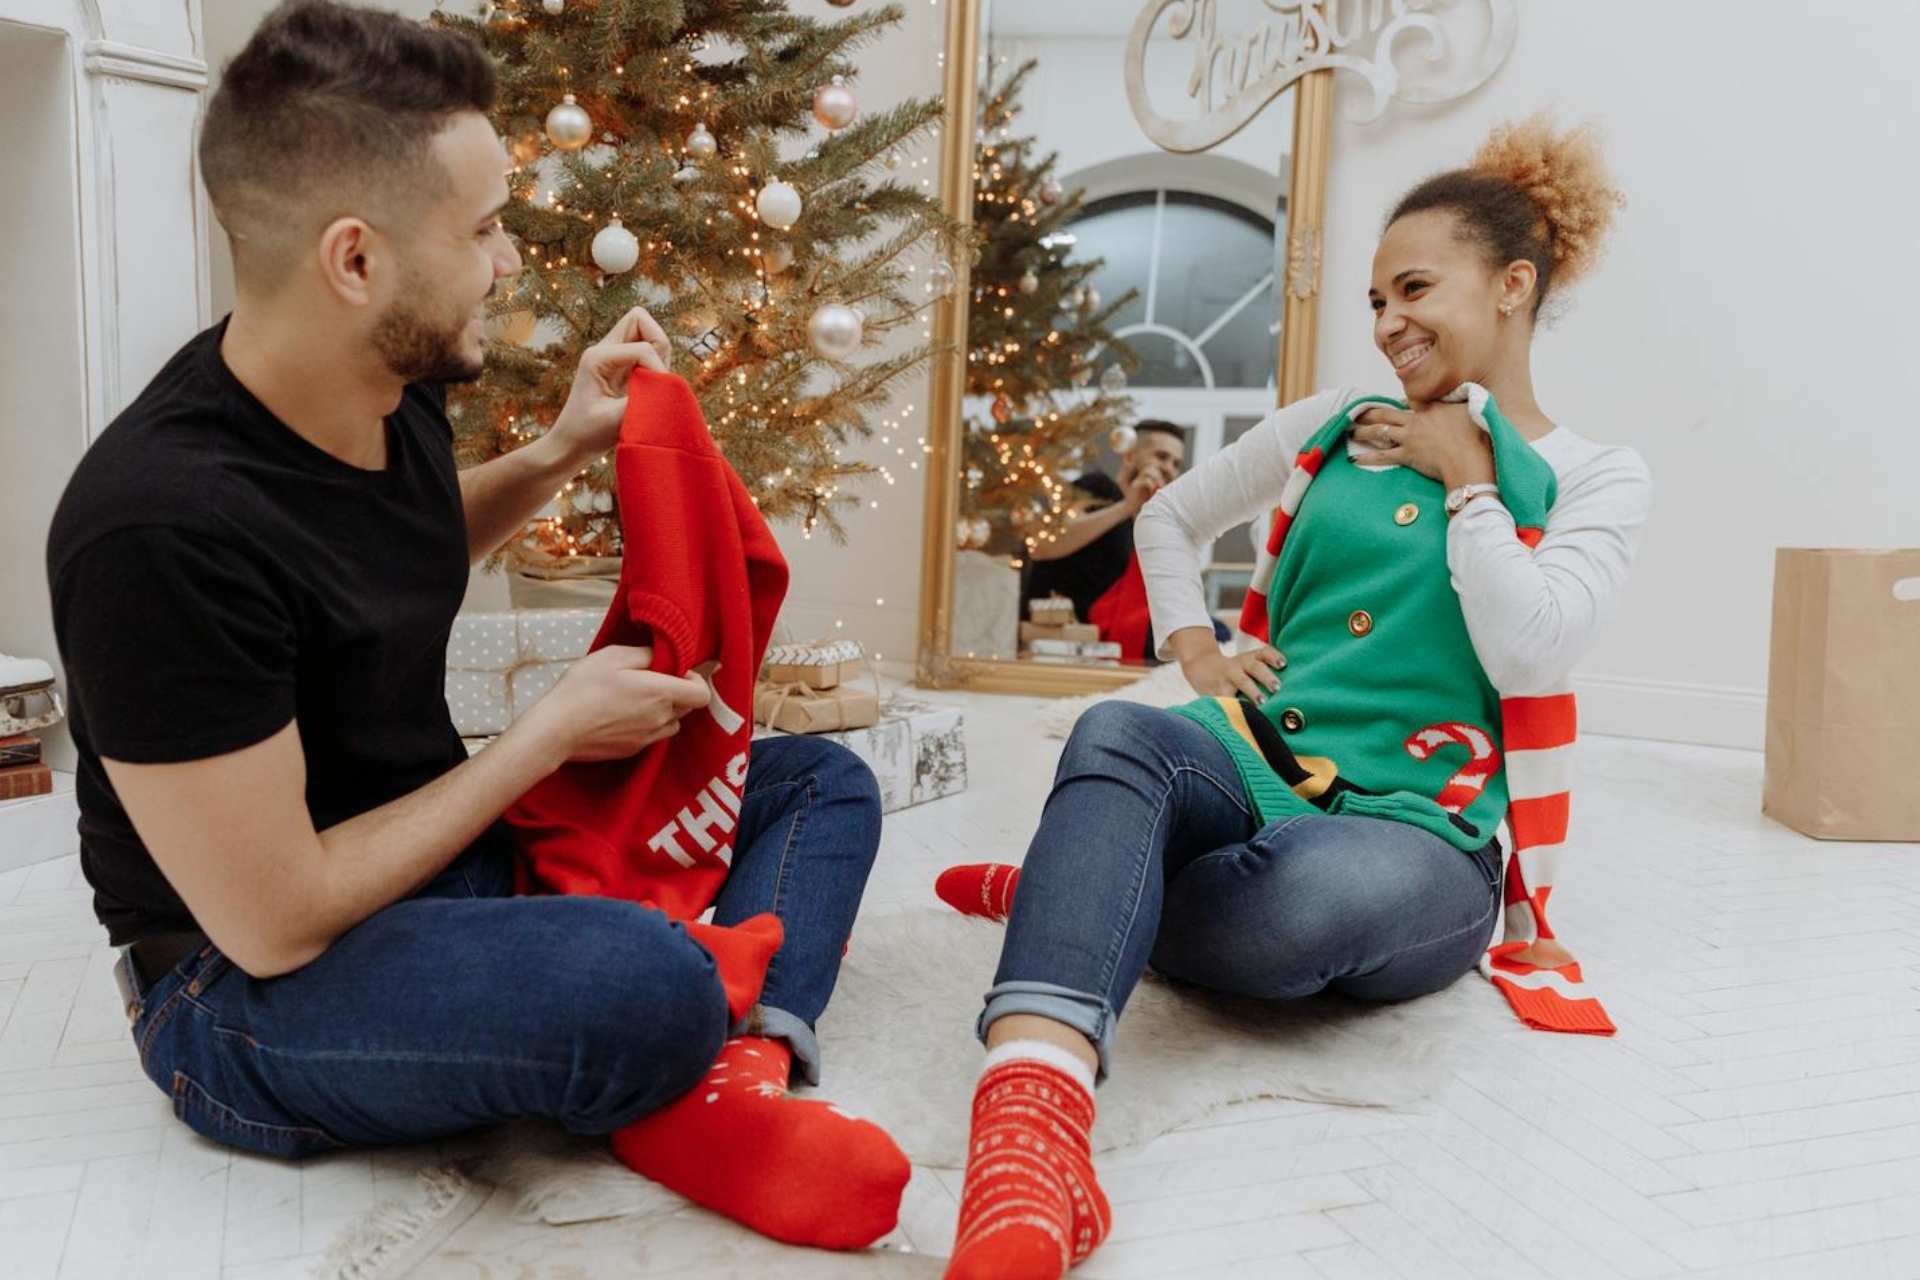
(1031, 1207)
(800, 1171)
(979, 889)
(741, 952)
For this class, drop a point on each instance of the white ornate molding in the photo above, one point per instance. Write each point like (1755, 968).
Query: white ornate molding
(1234, 77)
(149, 66)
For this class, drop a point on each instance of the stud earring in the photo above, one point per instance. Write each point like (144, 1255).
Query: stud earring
(1507, 310)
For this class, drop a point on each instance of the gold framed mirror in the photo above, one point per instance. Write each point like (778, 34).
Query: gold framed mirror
(1208, 257)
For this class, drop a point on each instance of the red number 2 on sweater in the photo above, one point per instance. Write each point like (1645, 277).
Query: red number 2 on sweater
(1465, 786)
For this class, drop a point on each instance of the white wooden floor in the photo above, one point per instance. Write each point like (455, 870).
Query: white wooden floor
(1757, 1116)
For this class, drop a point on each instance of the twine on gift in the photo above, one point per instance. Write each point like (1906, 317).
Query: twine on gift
(788, 689)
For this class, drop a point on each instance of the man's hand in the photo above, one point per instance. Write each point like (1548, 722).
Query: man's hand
(1439, 439)
(1222, 675)
(1141, 488)
(589, 425)
(610, 706)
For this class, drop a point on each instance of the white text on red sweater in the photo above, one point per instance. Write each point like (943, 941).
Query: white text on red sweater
(715, 809)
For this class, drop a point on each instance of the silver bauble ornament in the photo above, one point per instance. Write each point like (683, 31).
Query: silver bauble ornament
(701, 144)
(778, 205)
(554, 6)
(1051, 192)
(1123, 437)
(1029, 282)
(777, 257)
(895, 159)
(615, 249)
(835, 331)
(834, 105)
(1090, 301)
(1113, 380)
(939, 280)
(568, 125)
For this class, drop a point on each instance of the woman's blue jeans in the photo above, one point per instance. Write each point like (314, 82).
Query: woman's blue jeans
(466, 1006)
(1148, 853)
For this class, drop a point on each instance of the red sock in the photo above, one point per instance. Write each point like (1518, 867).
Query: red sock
(741, 952)
(800, 1171)
(1031, 1207)
(979, 889)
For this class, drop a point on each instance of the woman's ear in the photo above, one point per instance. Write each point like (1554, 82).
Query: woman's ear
(1517, 285)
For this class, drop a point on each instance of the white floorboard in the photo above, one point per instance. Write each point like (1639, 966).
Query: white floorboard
(1757, 1116)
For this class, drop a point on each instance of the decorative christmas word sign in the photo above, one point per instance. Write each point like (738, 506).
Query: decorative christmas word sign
(1235, 75)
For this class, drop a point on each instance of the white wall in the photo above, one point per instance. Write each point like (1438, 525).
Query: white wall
(1751, 334)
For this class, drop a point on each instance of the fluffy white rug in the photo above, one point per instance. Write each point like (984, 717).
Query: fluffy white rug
(899, 1049)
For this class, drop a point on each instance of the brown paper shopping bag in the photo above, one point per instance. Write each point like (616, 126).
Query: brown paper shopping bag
(1843, 694)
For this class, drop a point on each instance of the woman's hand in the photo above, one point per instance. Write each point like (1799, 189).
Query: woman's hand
(1439, 439)
(1222, 675)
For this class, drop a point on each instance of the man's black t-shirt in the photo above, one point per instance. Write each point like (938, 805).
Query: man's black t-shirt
(1086, 575)
(216, 576)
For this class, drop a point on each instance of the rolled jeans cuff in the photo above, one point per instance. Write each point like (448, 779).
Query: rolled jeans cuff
(1090, 1015)
(778, 1024)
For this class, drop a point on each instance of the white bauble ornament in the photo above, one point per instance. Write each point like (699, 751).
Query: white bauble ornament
(554, 6)
(701, 144)
(778, 205)
(615, 249)
(1113, 380)
(835, 331)
(1076, 299)
(834, 105)
(939, 280)
(685, 173)
(1051, 192)
(1123, 438)
(895, 159)
(568, 125)
(1029, 282)
(777, 257)
(1090, 301)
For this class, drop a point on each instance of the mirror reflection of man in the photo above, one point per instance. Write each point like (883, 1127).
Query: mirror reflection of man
(1090, 557)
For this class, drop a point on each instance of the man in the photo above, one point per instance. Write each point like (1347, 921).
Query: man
(254, 572)
(1091, 557)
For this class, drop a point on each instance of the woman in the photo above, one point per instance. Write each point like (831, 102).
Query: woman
(1445, 569)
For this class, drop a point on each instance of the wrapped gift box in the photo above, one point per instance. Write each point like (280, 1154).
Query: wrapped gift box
(1051, 611)
(917, 751)
(822, 665)
(499, 664)
(1075, 631)
(795, 708)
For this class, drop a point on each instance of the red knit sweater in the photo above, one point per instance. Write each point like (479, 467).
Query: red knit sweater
(701, 583)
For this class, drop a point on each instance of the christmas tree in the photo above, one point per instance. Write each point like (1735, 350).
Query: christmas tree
(663, 159)
(1036, 333)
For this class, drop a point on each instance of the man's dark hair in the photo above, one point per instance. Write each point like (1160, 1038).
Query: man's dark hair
(331, 110)
(1147, 425)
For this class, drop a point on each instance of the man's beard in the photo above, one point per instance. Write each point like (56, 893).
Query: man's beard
(418, 348)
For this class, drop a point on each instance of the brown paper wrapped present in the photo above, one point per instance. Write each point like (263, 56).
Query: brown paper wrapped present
(799, 708)
(1051, 611)
(821, 665)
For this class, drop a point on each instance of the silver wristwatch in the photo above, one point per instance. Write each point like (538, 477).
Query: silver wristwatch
(1459, 498)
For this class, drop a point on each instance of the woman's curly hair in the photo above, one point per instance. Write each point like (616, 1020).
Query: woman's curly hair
(1533, 193)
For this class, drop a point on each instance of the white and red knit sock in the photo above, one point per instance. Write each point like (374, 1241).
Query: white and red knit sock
(1031, 1207)
(804, 1172)
(979, 889)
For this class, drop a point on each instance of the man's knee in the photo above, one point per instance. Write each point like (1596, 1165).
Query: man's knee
(650, 1018)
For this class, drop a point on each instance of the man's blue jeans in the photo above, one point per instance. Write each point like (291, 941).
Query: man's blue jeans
(466, 1006)
(1147, 852)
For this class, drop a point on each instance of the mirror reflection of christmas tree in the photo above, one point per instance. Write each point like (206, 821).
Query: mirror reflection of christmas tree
(662, 159)
(1040, 356)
